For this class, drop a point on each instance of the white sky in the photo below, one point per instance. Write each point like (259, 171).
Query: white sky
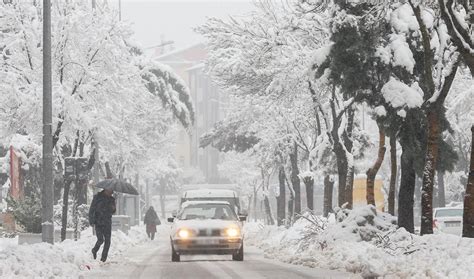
(175, 19)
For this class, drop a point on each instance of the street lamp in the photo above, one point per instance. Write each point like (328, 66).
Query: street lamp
(47, 229)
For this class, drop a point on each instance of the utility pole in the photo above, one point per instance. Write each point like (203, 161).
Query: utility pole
(147, 194)
(120, 10)
(47, 230)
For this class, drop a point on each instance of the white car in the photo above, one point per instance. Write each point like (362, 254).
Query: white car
(213, 195)
(207, 227)
(448, 220)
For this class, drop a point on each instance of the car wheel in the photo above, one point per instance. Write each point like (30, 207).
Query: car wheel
(174, 256)
(239, 255)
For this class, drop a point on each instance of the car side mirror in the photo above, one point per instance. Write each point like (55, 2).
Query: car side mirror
(243, 218)
(171, 219)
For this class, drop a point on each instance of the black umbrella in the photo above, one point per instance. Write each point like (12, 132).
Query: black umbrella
(117, 185)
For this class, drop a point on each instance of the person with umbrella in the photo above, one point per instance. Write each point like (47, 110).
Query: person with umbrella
(100, 216)
(151, 220)
(101, 211)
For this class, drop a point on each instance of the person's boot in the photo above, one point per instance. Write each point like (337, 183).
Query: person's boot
(94, 254)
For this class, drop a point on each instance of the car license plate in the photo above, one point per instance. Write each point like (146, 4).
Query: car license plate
(208, 241)
(453, 224)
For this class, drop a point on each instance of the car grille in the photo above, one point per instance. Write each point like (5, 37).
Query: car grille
(213, 232)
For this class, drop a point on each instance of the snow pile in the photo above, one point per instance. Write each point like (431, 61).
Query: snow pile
(367, 243)
(68, 259)
(321, 54)
(400, 95)
(402, 55)
(380, 111)
(403, 20)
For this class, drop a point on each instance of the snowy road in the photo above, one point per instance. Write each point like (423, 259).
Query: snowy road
(152, 260)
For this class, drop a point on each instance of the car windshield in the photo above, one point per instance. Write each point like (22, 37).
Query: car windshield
(448, 212)
(207, 211)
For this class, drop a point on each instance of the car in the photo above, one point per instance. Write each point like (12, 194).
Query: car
(448, 220)
(206, 227)
(205, 194)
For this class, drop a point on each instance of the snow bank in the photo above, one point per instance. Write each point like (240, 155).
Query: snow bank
(67, 259)
(366, 243)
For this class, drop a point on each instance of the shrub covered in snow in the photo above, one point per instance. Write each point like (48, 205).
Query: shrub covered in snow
(361, 224)
(27, 212)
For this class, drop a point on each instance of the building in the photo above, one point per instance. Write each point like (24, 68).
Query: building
(188, 63)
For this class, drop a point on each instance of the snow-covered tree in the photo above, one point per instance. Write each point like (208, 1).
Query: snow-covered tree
(104, 89)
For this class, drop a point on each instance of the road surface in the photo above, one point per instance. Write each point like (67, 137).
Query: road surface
(153, 260)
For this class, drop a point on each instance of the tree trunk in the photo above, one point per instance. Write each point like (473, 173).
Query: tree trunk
(268, 211)
(441, 191)
(255, 215)
(372, 172)
(281, 199)
(393, 174)
(406, 191)
(348, 144)
(341, 162)
(108, 171)
(309, 186)
(433, 118)
(349, 185)
(328, 188)
(162, 201)
(67, 186)
(81, 186)
(291, 206)
(295, 180)
(431, 159)
(468, 215)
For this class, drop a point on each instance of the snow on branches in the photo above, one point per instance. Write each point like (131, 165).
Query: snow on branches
(101, 83)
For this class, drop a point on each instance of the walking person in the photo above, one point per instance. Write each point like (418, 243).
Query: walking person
(100, 216)
(151, 220)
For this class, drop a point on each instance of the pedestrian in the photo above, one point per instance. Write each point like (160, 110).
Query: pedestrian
(100, 216)
(151, 220)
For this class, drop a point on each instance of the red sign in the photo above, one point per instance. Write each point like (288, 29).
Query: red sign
(16, 189)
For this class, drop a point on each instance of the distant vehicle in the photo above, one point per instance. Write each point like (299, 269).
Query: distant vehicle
(226, 195)
(448, 220)
(206, 227)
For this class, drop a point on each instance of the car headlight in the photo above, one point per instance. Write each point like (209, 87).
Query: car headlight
(232, 232)
(184, 233)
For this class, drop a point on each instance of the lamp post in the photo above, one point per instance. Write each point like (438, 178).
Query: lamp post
(47, 230)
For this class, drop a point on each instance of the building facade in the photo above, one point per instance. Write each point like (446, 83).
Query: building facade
(209, 105)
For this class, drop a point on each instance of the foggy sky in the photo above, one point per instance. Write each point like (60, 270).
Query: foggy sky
(174, 19)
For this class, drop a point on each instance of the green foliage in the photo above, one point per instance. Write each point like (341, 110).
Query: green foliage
(27, 212)
(227, 136)
(163, 83)
(352, 62)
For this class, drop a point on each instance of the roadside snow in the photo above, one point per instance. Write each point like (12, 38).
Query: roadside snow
(68, 259)
(366, 243)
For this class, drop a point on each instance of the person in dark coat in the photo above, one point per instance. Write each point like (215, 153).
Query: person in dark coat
(151, 220)
(100, 216)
